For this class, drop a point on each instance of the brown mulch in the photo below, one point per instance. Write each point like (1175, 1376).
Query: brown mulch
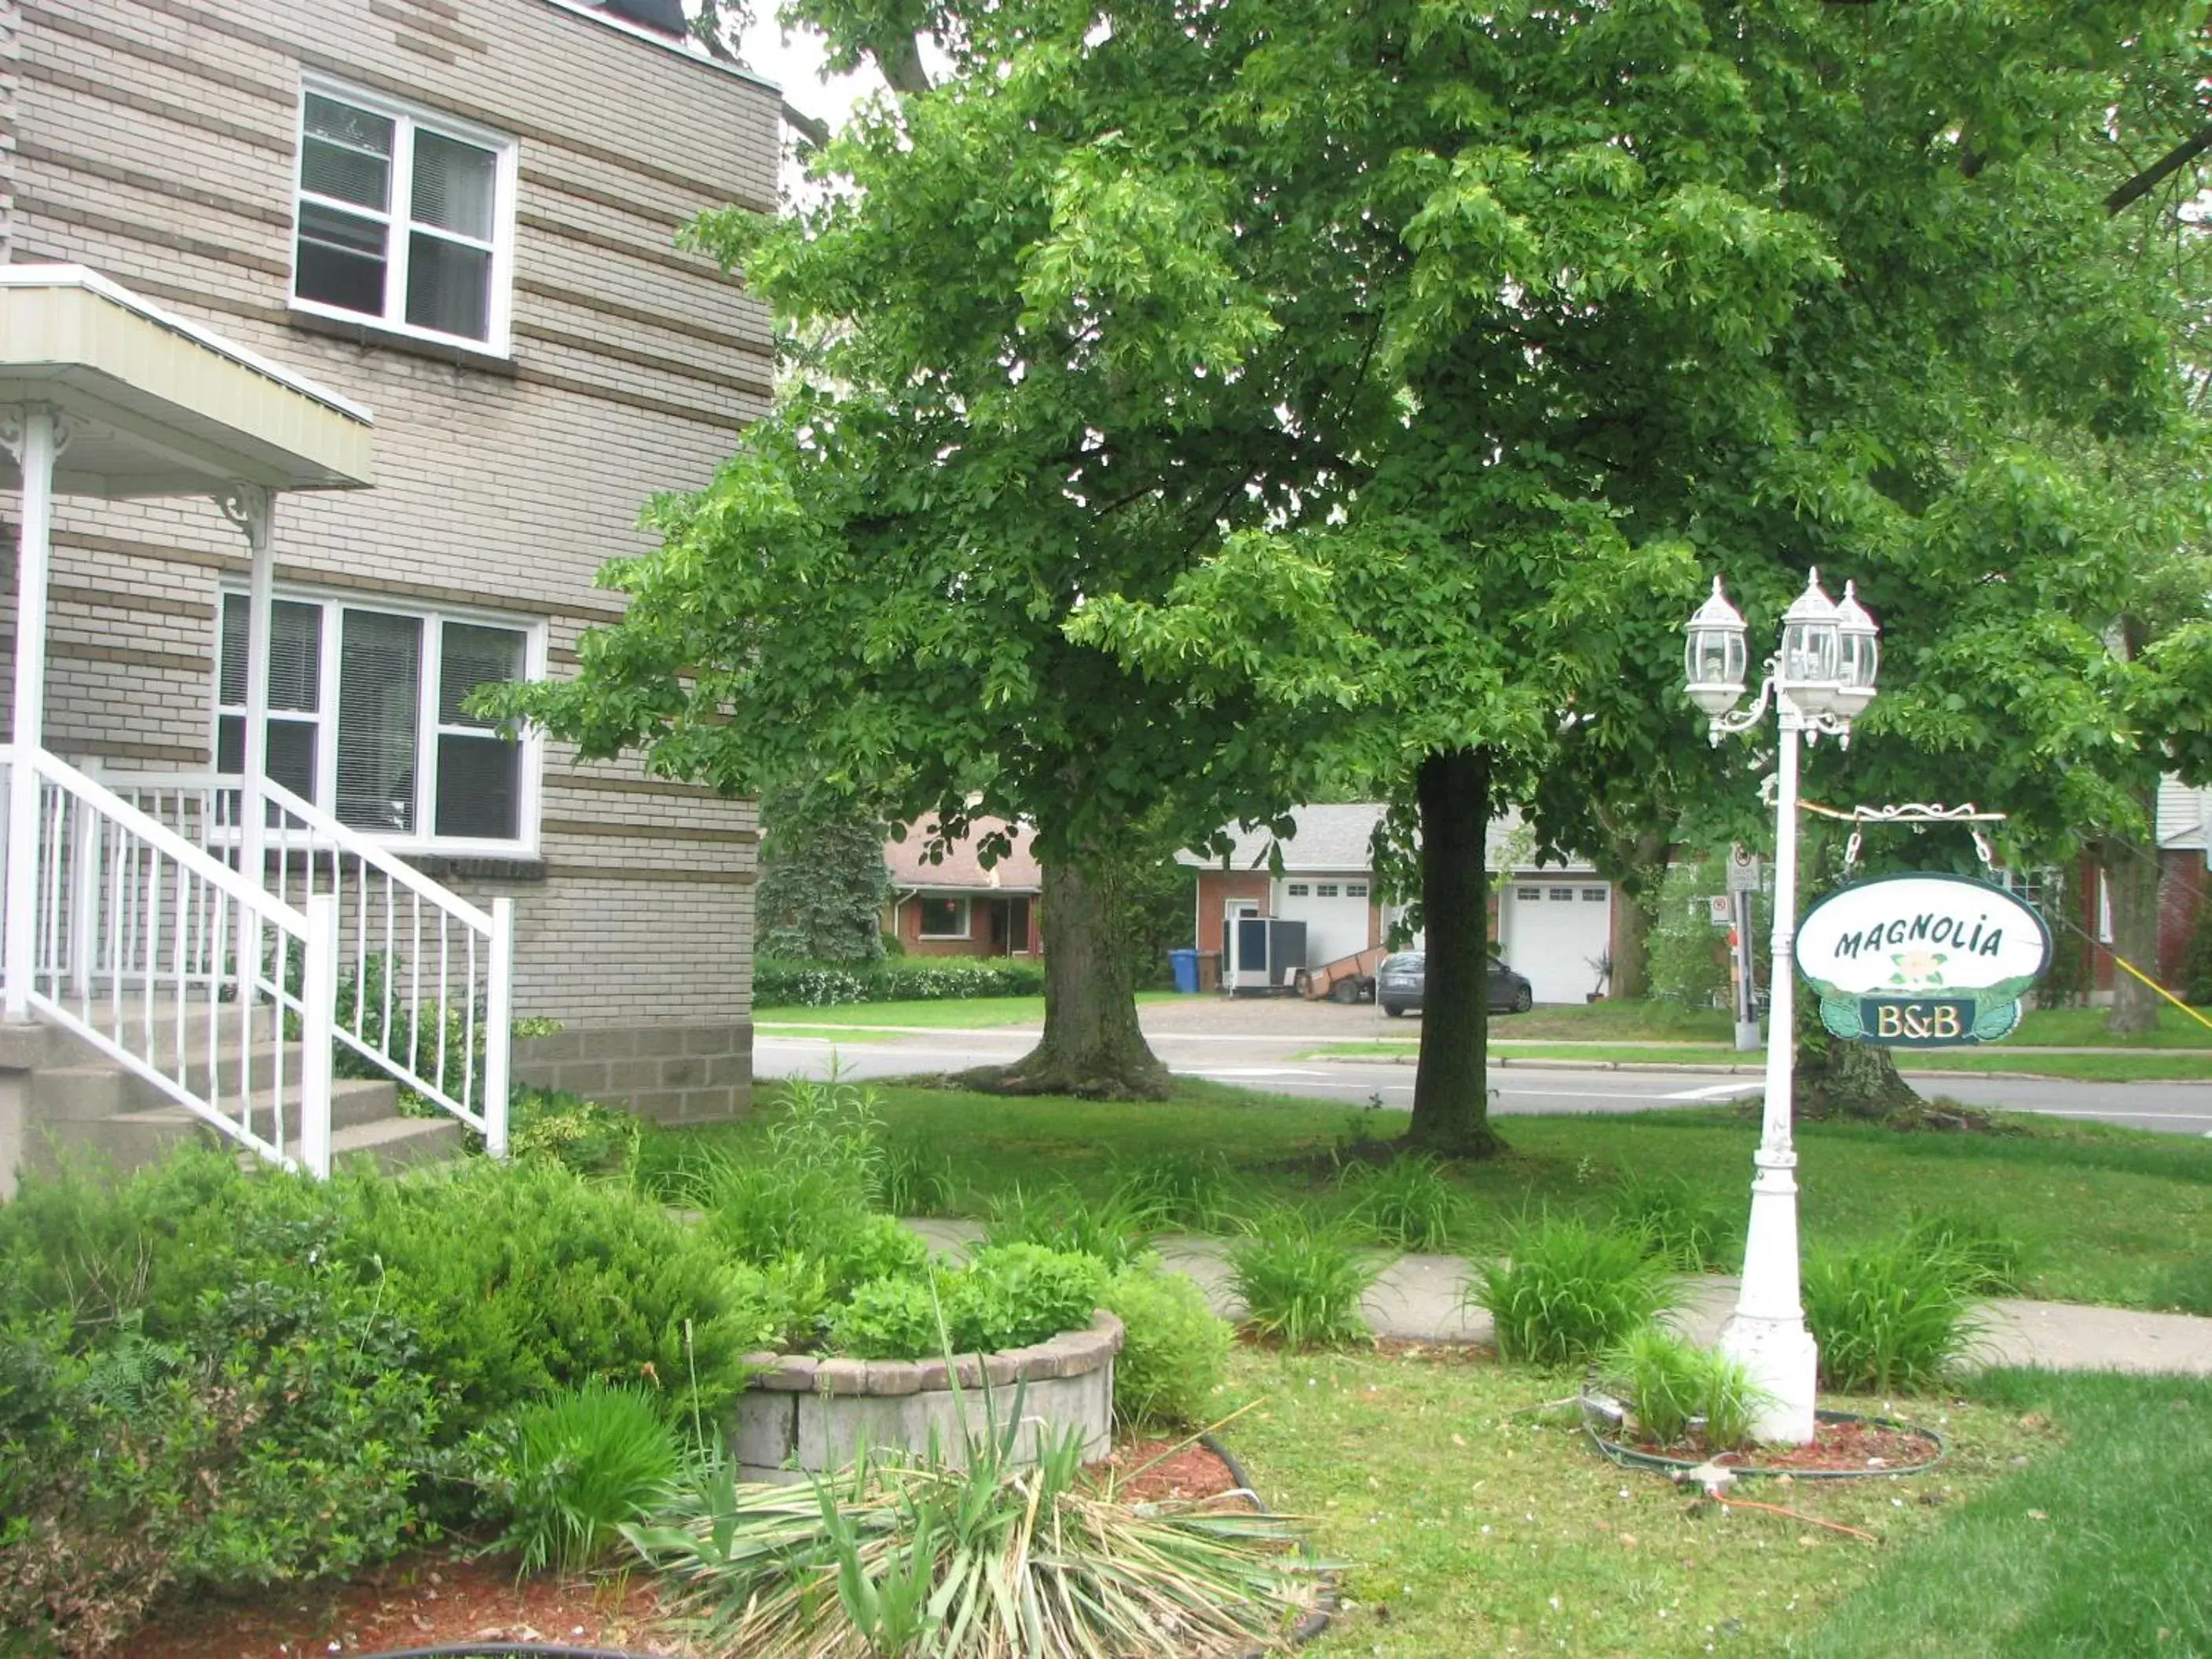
(431, 1599)
(1191, 1471)
(1835, 1448)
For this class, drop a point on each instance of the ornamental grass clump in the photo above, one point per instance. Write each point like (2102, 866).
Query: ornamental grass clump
(1188, 1189)
(1889, 1319)
(1679, 1393)
(1407, 1204)
(1117, 1228)
(974, 1559)
(1301, 1281)
(1570, 1291)
(1690, 1232)
(570, 1470)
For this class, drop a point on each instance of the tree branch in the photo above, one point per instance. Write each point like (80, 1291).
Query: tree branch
(2160, 171)
(813, 134)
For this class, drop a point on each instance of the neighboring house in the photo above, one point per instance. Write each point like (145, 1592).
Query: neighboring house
(434, 239)
(954, 906)
(1552, 923)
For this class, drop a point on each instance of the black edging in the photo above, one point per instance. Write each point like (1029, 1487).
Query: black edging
(1325, 1610)
(1630, 1457)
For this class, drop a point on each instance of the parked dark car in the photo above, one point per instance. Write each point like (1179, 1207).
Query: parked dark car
(1398, 986)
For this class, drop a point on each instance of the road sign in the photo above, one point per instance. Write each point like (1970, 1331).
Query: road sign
(1743, 870)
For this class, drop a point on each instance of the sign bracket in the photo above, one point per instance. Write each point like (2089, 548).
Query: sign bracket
(1917, 813)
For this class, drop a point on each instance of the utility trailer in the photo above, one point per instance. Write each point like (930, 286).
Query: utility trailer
(1348, 979)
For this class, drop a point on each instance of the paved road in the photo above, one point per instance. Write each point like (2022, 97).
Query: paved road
(1258, 1045)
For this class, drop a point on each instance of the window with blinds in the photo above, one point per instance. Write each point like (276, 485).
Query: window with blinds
(385, 740)
(402, 217)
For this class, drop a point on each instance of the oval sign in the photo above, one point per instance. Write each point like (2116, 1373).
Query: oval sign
(1925, 935)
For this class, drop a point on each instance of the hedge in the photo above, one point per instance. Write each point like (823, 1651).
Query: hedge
(894, 979)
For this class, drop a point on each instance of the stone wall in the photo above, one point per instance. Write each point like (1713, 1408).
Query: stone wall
(804, 1415)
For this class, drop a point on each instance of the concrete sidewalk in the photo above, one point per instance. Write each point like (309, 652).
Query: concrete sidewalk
(1420, 1299)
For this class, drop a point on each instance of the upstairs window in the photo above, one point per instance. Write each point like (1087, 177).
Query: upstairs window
(366, 719)
(405, 218)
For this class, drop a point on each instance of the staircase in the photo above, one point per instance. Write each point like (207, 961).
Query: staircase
(160, 941)
(68, 1099)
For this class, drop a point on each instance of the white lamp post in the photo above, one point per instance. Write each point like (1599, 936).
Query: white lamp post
(1822, 678)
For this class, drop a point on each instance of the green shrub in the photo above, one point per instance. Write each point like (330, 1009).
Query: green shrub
(1688, 954)
(1173, 1351)
(524, 1276)
(1117, 1228)
(590, 1139)
(1676, 1390)
(1408, 1204)
(1569, 1291)
(1691, 1233)
(893, 979)
(889, 1319)
(1301, 1282)
(1984, 1257)
(1011, 1295)
(1889, 1318)
(567, 1472)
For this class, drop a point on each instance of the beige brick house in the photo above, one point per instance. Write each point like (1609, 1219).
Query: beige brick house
(454, 218)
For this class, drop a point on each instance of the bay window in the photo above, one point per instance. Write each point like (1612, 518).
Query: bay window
(367, 718)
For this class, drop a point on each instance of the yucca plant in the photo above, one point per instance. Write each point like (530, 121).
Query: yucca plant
(1570, 1291)
(1301, 1281)
(1678, 1391)
(574, 1468)
(1408, 1204)
(1888, 1319)
(920, 1554)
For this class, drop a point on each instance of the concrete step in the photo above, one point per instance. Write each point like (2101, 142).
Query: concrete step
(87, 1094)
(41, 1042)
(127, 1141)
(397, 1143)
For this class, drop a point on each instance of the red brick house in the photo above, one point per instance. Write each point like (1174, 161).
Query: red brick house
(954, 906)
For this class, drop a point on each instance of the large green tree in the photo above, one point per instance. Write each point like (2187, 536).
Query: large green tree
(1664, 289)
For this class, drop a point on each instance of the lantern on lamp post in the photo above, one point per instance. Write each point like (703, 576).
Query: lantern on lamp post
(1820, 680)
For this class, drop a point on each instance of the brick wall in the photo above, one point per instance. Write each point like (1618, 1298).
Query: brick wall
(154, 140)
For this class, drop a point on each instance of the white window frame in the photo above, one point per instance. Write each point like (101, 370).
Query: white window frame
(1355, 890)
(407, 118)
(335, 603)
(959, 907)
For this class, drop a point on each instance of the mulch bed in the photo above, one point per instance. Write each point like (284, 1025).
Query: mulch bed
(1191, 1471)
(427, 1600)
(1835, 1448)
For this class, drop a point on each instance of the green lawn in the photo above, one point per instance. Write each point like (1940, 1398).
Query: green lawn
(2104, 1214)
(2009, 1056)
(1471, 1525)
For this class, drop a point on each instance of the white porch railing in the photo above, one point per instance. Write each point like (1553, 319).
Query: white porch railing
(424, 986)
(150, 949)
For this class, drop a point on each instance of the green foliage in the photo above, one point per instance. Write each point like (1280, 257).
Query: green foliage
(2187, 1287)
(1011, 1295)
(1690, 1232)
(1300, 1280)
(1407, 1204)
(2197, 965)
(896, 1318)
(1188, 1188)
(1688, 955)
(823, 886)
(969, 1558)
(778, 984)
(1174, 1350)
(589, 1137)
(1678, 1392)
(913, 1180)
(1983, 1254)
(570, 1470)
(1570, 1291)
(1116, 1229)
(1889, 1318)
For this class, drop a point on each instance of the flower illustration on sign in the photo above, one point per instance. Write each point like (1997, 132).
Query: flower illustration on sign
(1919, 967)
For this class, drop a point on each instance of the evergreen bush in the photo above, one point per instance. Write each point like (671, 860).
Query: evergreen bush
(784, 984)
(1687, 955)
(1173, 1351)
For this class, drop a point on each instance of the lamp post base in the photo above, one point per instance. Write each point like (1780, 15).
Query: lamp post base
(1782, 1361)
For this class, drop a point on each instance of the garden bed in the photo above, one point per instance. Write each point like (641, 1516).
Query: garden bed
(800, 1414)
(1844, 1444)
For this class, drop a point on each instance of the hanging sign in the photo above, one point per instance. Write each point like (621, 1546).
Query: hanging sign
(1922, 961)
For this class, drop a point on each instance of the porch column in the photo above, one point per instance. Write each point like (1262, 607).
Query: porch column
(35, 436)
(252, 509)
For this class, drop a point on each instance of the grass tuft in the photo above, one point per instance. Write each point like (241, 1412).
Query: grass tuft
(1301, 1280)
(1570, 1291)
(1679, 1392)
(1691, 1233)
(1888, 1318)
(574, 1467)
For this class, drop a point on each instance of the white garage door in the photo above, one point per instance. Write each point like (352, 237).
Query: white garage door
(1335, 911)
(1553, 931)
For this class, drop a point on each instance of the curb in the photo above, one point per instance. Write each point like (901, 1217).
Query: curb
(1507, 1062)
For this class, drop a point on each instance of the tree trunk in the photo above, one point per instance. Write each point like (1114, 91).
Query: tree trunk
(1093, 1046)
(2131, 884)
(1836, 1078)
(1638, 864)
(1452, 1088)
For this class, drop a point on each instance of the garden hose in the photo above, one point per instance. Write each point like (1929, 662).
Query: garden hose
(1659, 1462)
(1325, 1610)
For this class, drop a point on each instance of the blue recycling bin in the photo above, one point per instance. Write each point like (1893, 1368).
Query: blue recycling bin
(1185, 963)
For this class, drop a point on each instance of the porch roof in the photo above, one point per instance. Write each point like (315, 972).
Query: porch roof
(159, 405)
